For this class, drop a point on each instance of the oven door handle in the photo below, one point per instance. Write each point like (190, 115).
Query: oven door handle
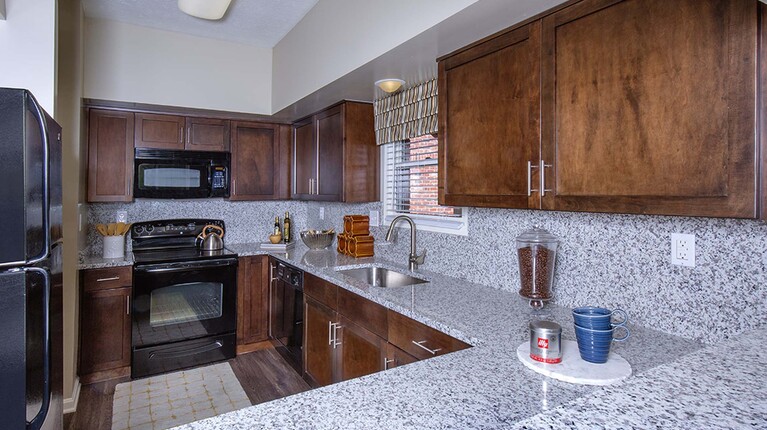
(179, 267)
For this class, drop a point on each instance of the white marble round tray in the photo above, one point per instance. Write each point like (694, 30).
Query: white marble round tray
(576, 370)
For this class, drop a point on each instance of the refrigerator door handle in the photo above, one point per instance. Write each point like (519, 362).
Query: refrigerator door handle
(45, 252)
(38, 420)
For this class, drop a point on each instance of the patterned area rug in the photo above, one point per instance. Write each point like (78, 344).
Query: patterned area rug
(173, 399)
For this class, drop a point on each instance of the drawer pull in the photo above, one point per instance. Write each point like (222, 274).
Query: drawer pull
(127, 305)
(430, 351)
(113, 278)
(387, 362)
(336, 343)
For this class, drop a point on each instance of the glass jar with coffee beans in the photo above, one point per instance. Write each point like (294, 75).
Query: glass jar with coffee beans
(537, 254)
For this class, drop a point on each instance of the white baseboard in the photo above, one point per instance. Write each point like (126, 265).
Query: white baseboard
(70, 404)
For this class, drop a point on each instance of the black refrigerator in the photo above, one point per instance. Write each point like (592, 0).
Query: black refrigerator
(30, 265)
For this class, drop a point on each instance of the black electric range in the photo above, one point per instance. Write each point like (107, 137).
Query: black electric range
(184, 298)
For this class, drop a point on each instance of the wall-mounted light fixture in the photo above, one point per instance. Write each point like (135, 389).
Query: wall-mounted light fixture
(390, 85)
(205, 9)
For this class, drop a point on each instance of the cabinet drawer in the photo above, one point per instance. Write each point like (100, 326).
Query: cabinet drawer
(109, 277)
(363, 312)
(321, 290)
(419, 340)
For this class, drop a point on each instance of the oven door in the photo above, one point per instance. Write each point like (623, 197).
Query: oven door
(171, 178)
(174, 302)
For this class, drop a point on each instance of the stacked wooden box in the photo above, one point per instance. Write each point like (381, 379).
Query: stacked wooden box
(356, 239)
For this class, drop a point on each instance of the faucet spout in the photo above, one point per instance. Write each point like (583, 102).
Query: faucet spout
(414, 260)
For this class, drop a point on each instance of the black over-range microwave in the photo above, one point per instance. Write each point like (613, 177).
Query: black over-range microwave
(164, 174)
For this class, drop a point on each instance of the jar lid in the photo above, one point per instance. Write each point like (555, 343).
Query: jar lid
(537, 235)
(543, 326)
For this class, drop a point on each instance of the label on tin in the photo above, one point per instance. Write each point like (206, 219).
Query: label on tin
(546, 360)
(543, 343)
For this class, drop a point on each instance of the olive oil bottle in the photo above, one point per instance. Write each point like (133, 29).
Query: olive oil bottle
(286, 224)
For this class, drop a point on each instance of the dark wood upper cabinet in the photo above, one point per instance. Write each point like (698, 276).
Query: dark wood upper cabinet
(489, 116)
(335, 155)
(160, 131)
(252, 301)
(649, 107)
(635, 106)
(260, 161)
(110, 156)
(206, 134)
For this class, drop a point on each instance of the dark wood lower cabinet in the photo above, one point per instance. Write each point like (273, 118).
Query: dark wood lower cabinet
(252, 302)
(105, 334)
(359, 351)
(347, 336)
(318, 350)
(396, 357)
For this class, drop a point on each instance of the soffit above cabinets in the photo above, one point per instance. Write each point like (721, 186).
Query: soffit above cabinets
(254, 22)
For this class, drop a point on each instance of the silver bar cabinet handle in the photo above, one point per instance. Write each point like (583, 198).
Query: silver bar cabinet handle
(127, 305)
(330, 332)
(529, 176)
(271, 282)
(387, 362)
(335, 335)
(430, 351)
(543, 177)
(113, 278)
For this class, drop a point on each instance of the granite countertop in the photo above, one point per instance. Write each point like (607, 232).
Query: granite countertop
(89, 261)
(487, 387)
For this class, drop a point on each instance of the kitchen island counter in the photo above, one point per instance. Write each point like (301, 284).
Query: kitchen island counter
(481, 387)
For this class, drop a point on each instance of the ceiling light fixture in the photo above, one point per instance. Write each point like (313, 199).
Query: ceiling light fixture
(390, 85)
(205, 9)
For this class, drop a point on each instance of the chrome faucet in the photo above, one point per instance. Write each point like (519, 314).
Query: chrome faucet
(414, 259)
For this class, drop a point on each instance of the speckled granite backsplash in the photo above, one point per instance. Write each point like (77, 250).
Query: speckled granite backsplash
(609, 260)
(245, 221)
(604, 259)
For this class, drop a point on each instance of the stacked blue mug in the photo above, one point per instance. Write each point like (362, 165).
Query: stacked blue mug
(595, 331)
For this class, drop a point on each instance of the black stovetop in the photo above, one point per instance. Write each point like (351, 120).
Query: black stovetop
(173, 240)
(179, 254)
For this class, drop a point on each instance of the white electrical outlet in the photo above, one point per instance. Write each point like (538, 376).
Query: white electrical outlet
(374, 222)
(683, 249)
(121, 216)
(322, 213)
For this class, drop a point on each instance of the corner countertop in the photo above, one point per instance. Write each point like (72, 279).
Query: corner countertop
(487, 387)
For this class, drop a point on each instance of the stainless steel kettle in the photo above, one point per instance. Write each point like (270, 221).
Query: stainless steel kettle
(212, 237)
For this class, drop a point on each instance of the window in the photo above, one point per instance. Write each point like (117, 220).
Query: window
(410, 186)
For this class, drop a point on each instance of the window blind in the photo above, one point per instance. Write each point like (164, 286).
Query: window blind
(411, 187)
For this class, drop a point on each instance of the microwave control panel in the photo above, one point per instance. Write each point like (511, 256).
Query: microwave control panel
(218, 179)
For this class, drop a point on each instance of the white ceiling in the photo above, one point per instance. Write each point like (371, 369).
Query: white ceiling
(255, 22)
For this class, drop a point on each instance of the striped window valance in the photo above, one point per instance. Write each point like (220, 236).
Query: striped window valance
(409, 113)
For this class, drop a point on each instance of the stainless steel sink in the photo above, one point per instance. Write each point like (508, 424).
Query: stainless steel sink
(381, 277)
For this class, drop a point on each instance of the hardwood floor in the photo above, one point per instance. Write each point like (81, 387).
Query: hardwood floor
(263, 374)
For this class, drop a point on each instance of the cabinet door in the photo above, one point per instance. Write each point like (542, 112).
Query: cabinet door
(359, 352)
(159, 131)
(318, 349)
(110, 156)
(360, 153)
(252, 300)
(489, 122)
(649, 107)
(204, 134)
(105, 330)
(329, 126)
(259, 161)
(305, 159)
(396, 357)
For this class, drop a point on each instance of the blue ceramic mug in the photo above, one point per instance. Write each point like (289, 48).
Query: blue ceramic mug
(594, 345)
(596, 318)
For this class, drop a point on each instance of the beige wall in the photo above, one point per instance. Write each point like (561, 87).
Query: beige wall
(28, 47)
(68, 114)
(338, 36)
(136, 64)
